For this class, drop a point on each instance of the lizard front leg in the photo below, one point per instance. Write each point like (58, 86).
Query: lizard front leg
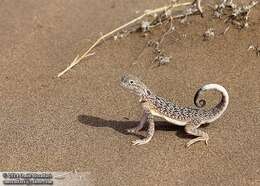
(150, 132)
(192, 128)
(141, 124)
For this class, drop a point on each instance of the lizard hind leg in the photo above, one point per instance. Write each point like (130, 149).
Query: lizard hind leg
(192, 128)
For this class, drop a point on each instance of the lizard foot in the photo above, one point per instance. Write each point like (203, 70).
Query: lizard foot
(206, 138)
(140, 142)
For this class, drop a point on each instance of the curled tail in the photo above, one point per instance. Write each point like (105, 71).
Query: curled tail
(215, 112)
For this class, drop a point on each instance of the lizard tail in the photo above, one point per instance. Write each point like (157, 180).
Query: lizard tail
(215, 112)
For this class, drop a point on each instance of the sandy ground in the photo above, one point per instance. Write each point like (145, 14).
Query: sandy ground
(78, 121)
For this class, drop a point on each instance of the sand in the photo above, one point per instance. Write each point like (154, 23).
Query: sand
(78, 121)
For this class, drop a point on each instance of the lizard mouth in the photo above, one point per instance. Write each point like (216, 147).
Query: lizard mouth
(123, 81)
(122, 84)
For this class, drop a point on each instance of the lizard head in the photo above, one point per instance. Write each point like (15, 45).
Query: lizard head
(133, 84)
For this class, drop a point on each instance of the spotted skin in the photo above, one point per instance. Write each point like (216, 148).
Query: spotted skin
(189, 117)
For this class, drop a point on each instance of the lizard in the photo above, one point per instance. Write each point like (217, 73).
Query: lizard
(189, 117)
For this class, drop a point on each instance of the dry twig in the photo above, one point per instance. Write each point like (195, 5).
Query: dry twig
(109, 34)
(237, 14)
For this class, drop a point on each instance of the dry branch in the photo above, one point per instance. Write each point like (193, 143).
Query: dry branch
(109, 34)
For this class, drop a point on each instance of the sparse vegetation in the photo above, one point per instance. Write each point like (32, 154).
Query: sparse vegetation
(232, 13)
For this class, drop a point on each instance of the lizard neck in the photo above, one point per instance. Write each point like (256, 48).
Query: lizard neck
(148, 96)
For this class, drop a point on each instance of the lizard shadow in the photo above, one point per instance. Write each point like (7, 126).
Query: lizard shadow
(121, 126)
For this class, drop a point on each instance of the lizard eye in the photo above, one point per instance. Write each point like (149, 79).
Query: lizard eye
(131, 81)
